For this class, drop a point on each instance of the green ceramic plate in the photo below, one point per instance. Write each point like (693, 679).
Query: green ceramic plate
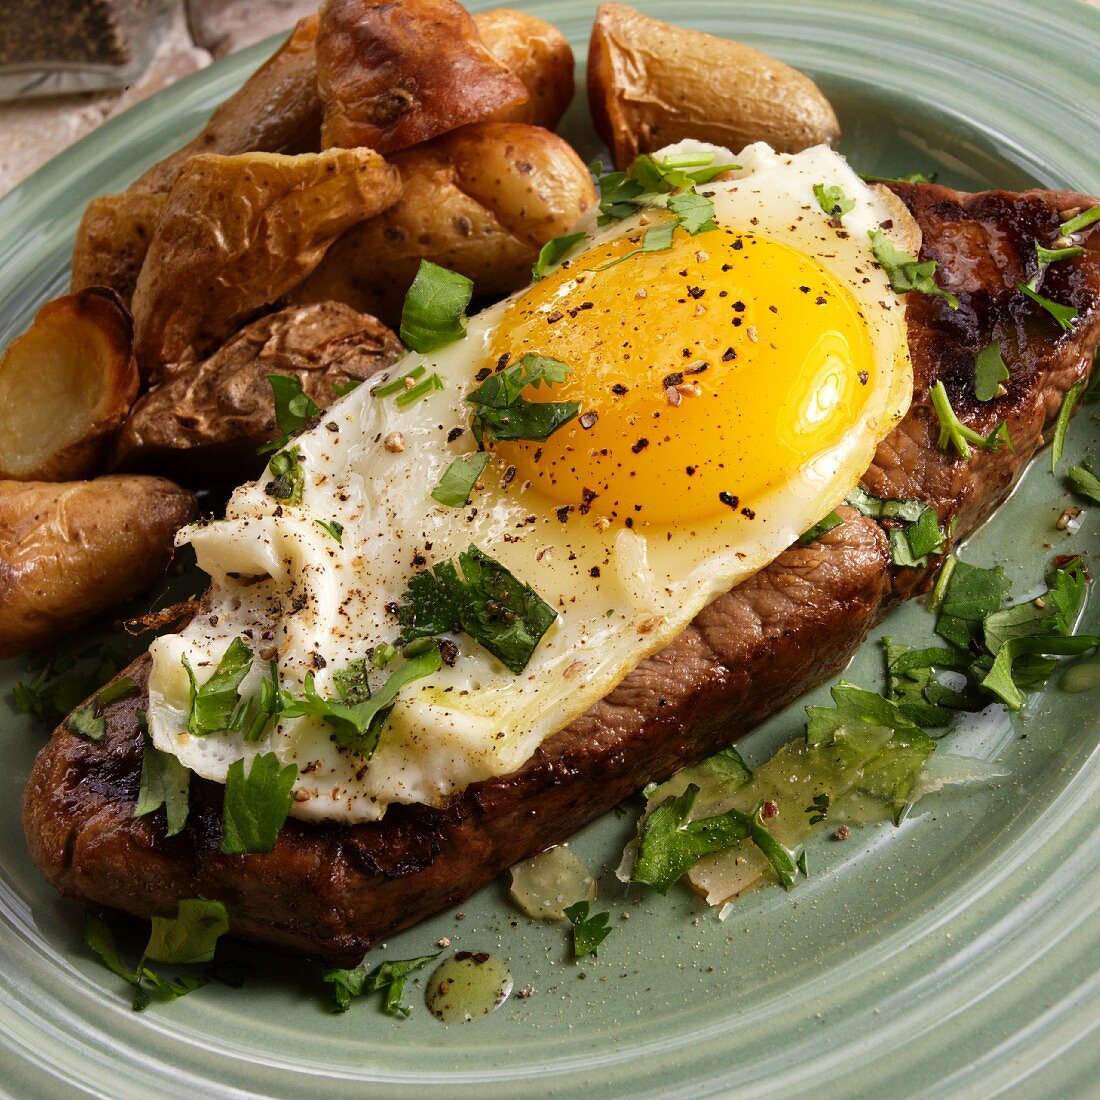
(955, 956)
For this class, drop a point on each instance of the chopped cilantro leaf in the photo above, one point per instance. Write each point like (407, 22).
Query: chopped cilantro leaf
(434, 313)
(818, 809)
(1048, 256)
(351, 682)
(912, 177)
(822, 527)
(294, 409)
(911, 545)
(554, 251)
(832, 200)
(1082, 221)
(388, 977)
(1062, 423)
(854, 707)
(501, 412)
(954, 433)
(191, 935)
(904, 272)
(655, 239)
(1083, 481)
(164, 782)
(990, 372)
(908, 511)
(287, 477)
(358, 721)
(87, 720)
(694, 212)
(459, 479)
(332, 528)
(214, 703)
(252, 716)
(256, 804)
(916, 690)
(342, 389)
(1064, 315)
(1003, 677)
(588, 931)
(99, 937)
(971, 594)
(63, 679)
(498, 611)
(399, 384)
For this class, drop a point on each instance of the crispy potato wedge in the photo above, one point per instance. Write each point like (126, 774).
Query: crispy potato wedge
(207, 421)
(651, 84)
(276, 110)
(482, 200)
(539, 54)
(236, 234)
(71, 550)
(112, 240)
(391, 75)
(66, 385)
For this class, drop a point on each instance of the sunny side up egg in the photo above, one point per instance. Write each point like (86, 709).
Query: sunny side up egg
(733, 388)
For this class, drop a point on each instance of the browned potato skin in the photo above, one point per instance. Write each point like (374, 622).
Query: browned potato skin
(391, 75)
(207, 421)
(236, 234)
(651, 84)
(112, 240)
(539, 54)
(65, 386)
(71, 550)
(275, 111)
(482, 201)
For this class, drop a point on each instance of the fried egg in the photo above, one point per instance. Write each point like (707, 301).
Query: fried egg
(733, 388)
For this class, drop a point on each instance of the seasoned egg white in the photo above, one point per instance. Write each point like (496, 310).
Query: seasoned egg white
(734, 387)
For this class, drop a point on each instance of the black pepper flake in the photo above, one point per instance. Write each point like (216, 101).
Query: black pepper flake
(391, 607)
(594, 571)
(563, 512)
(555, 317)
(419, 559)
(332, 426)
(691, 470)
(538, 454)
(640, 446)
(588, 419)
(729, 499)
(628, 521)
(728, 267)
(863, 376)
(619, 389)
(804, 289)
(739, 306)
(318, 661)
(686, 353)
(748, 513)
(509, 475)
(728, 355)
(502, 362)
(453, 434)
(696, 292)
(448, 652)
(482, 374)
(820, 300)
(738, 245)
(696, 368)
(676, 378)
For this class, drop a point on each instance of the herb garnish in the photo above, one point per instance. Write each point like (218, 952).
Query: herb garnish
(64, 678)
(1082, 221)
(294, 409)
(990, 371)
(553, 251)
(909, 545)
(822, 527)
(459, 479)
(487, 602)
(904, 272)
(832, 200)
(387, 977)
(425, 386)
(164, 782)
(588, 931)
(87, 720)
(818, 809)
(288, 479)
(399, 384)
(332, 528)
(1064, 315)
(912, 177)
(213, 704)
(500, 411)
(1084, 481)
(1048, 256)
(954, 433)
(256, 804)
(434, 313)
(1062, 423)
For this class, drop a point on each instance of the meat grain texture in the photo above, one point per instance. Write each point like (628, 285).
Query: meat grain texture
(333, 890)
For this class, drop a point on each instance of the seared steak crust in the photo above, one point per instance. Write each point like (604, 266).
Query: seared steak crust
(333, 890)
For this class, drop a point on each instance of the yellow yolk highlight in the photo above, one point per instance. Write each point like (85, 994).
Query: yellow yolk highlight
(707, 374)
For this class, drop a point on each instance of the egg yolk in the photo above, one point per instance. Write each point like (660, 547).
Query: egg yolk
(707, 375)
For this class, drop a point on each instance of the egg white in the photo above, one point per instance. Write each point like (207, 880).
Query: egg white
(280, 579)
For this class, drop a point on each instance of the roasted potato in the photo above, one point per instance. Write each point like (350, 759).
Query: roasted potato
(207, 421)
(236, 234)
(482, 200)
(65, 386)
(69, 551)
(391, 75)
(275, 111)
(539, 54)
(651, 84)
(113, 239)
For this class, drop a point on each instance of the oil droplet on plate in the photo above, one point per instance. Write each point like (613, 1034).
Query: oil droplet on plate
(1083, 676)
(467, 986)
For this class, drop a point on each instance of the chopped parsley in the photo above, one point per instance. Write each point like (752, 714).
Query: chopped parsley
(990, 372)
(832, 200)
(655, 239)
(287, 477)
(87, 721)
(1084, 482)
(434, 313)
(911, 544)
(63, 679)
(332, 528)
(164, 782)
(358, 717)
(553, 252)
(256, 804)
(342, 389)
(502, 614)
(588, 931)
(852, 708)
(294, 409)
(1048, 256)
(500, 411)
(912, 177)
(818, 809)
(1065, 316)
(387, 977)
(904, 272)
(822, 527)
(954, 433)
(459, 479)
(213, 704)
(1062, 423)
(867, 504)
(1082, 221)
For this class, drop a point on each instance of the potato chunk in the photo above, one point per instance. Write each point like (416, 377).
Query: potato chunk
(209, 419)
(482, 201)
(70, 550)
(112, 240)
(65, 386)
(236, 234)
(391, 75)
(651, 84)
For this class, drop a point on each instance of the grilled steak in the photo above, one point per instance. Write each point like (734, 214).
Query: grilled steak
(333, 890)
